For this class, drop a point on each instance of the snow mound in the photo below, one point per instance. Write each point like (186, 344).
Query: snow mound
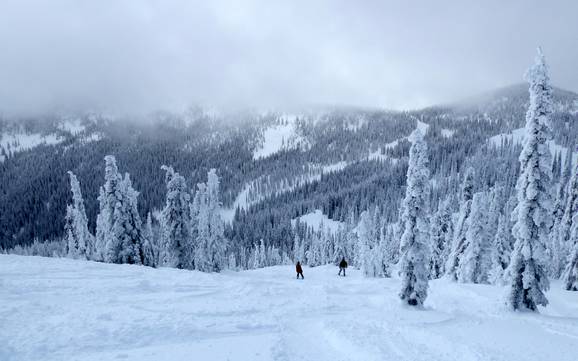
(62, 309)
(280, 137)
(316, 218)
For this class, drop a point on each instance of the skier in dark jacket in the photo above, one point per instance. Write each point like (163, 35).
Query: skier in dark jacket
(299, 270)
(342, 266)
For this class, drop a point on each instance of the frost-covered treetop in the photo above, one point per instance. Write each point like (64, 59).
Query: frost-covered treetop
(540, 90)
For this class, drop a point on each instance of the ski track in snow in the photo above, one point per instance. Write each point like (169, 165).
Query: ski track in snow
(61, 309)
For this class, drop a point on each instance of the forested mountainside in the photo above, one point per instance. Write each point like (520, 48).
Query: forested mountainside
(274, 167)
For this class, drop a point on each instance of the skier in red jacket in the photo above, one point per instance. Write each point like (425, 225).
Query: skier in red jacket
(299, 270)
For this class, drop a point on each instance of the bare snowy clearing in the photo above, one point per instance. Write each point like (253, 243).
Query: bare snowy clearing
(316, 219)
(61, 309)
(517, 136)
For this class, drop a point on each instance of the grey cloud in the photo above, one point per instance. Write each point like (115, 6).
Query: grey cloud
(135, 56)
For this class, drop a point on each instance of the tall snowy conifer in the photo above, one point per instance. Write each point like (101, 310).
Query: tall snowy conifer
(461, 227)
(415, 237)
(150, 245)
(176, 244)
(441, 231)
(533, 213)
(369, 252)
(570, 275)
(108, 197)
(80, 241)
(475, 262)
(210, 242)
(125, 244)
(500, 251)
(562, 221)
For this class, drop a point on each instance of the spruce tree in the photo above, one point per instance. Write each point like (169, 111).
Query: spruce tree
(414, 240)
(475, 262)
(441, 230)
(80, 241)
(570, 275)
(210, 242)
(562, 220)
(500, 252)
(177, 246)
(461, 227)
(108, 197)
(528, 279)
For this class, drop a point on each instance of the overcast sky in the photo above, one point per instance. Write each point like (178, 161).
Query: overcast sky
(134, 56)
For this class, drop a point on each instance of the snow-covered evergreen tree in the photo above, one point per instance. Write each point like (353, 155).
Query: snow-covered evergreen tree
(108, 197)
(561, 230)
(151, 248)
(475, 262)
(570, 275)
(79, 240)
(125, 244)
(441, 232)
(500, 251)
(177, 246)
(315, 252)
(341, 249)
(528, 279)
(210, 242)
(461, 226)
(556, 249)
(298, 249)
(415, 237)
(369, 251)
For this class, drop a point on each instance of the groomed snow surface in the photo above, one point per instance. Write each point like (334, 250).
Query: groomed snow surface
(61, 309)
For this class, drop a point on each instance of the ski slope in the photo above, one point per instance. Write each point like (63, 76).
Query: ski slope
(61, 309)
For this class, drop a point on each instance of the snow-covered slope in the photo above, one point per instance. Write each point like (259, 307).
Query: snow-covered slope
(13, 143)
(255, 191)
(61, 309)
(280, 137)
(316, 219)
(517, 136)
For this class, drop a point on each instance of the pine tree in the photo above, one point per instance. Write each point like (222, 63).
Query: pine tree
(177, 246)
(461, 227)
(441, 230)
(211, 244)
(474, 264)
(561, 230)
(570, 275)
(533, 213)
(151, 247)
(80, 241)
(414, 240)
(108, 197)
(341, 249)
(369, 251)
(125, 238)
(501, 250)
(298, 250)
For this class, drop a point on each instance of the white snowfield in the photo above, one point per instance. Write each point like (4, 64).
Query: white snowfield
(62, 309)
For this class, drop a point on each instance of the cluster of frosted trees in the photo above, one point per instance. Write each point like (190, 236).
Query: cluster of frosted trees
(519, 242)
(191, 234)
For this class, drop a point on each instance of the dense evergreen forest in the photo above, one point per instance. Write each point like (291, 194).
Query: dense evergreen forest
(370, 147)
